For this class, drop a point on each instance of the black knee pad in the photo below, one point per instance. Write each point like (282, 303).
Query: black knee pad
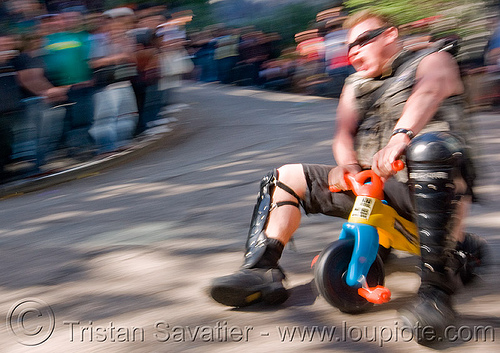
(434, 160)
(432, 154)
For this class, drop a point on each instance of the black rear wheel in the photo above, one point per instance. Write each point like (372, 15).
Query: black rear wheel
(329, 274)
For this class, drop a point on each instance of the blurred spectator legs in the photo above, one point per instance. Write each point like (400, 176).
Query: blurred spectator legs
(5, 143)
(246, 74)
(79, 118)
(115, 116)
(205, 62)
(51, 127)
(27, 143)
(150, 100)
(154, 101)
(25, 135)
(225, 69)
(208, 70)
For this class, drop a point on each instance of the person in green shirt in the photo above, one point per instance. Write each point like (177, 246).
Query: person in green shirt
(66, 52)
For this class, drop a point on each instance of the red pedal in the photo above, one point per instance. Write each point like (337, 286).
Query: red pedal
(376, 295)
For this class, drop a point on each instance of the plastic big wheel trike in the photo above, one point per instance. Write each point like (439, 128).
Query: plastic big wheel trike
(349, 273)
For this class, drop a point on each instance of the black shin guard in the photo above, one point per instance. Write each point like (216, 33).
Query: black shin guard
(262, 251)
(433, 161)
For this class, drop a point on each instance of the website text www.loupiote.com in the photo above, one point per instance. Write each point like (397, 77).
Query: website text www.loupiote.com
(32, 322)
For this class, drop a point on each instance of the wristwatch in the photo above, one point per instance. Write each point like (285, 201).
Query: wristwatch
(409, 133)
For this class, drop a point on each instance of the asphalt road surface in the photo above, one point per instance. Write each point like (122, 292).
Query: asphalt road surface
(120, 261)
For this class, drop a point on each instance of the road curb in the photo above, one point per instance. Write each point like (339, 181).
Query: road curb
(138, 147)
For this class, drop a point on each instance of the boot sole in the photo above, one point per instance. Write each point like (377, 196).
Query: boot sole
(241, 297)
(237, 297)
(409, 319)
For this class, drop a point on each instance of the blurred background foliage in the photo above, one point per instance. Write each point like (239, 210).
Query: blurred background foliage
(287, 18)
(108, 4)
(402, 11)
(458, 16)
(284, 17)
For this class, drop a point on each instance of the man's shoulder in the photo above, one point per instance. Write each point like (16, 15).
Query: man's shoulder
(439, 61)
(439, 55)
(438, 51)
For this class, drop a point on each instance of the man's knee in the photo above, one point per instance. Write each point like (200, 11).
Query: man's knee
(435, 151)
(440, 156)
(293, 176)
(434, 161)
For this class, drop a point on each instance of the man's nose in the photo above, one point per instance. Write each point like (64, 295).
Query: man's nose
(353, 53)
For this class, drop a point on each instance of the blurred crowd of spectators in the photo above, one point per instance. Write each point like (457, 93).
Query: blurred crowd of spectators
(316, 63)
(80, 83)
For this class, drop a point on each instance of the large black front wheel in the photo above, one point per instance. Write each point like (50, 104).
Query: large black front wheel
(329, 274)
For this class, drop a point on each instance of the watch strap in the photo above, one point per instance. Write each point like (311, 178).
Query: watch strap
(408, 132)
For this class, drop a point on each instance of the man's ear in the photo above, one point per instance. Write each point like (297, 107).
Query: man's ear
(392, 34)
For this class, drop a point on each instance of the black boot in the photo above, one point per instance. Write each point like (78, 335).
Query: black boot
(472, 254)
(430, 315)
(260, 278)
(263, 282)
(250, 286)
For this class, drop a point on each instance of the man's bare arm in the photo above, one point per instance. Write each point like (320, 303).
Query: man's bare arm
(343, 142)
(35, 81)
(346, 126)
(437, 79)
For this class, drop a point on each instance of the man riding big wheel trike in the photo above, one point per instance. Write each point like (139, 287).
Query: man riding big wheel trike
(400, 104)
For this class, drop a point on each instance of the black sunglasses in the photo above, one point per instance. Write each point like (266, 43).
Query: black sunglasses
(367, 37)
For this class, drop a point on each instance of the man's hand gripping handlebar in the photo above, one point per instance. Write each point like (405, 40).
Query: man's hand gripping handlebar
(367, 183)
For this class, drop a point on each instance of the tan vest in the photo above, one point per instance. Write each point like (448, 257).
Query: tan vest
(377, 119)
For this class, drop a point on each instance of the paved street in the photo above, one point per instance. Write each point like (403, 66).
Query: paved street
(119, 261)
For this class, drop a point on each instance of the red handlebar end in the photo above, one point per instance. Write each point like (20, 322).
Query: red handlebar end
(398, 165)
